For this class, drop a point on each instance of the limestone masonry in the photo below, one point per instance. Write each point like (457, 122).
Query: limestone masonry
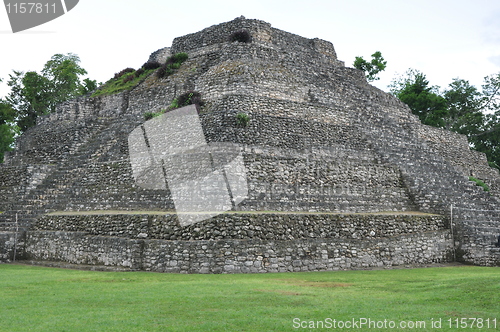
(340, 174)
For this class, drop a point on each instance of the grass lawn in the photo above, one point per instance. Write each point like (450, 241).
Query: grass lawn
(50, 299)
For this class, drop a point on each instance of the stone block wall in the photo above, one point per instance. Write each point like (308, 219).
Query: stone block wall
(11, 243)
(240, 256)
(151, 99)
(294, 256)
(97, 186)
(84, 109)
(160, 55)
(96, 171)
(455, 149)
(51, 143)
(313, 182)
(241, 243)
(477, 233)
(76, 248)
(73, 110)
(12, 181)
(266, 79)
(244, 225)
(260, 31)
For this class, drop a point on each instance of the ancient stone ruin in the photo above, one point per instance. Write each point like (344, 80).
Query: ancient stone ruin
(324, 171)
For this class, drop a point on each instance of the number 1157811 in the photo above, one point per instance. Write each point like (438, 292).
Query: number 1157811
(30, 8)
(472, 323)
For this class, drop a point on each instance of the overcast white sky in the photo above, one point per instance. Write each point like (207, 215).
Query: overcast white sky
(442, 38)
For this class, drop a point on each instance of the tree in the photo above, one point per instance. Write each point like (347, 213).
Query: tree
(7, 133)
(38, 93)
(491, 93)
(87, 86)
(488, 139)
(372, 68)
(464, 103)
(34, 94)
(461, 108)
(423, 100)
(63, 72)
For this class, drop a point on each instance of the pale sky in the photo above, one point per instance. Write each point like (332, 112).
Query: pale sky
(442, 38)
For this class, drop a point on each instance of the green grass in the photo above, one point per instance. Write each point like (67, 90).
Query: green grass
(121, 84)
(50, 299)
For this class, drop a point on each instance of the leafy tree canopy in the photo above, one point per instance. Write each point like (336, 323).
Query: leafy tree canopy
(464, 103)
(33, 94)
(487, 139)
(461, 108)
(371, 68)
(7, 130)
(424, 101)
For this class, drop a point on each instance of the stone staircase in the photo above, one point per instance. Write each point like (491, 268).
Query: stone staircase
(434, 184)
(57, 187)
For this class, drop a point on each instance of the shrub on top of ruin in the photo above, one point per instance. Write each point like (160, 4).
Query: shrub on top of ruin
(151, 65)
(171, 65)
(175, 66)
(178, 58)
(242, 36)
(123, 72)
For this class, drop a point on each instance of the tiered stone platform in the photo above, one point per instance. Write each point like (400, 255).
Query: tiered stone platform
(324, 151)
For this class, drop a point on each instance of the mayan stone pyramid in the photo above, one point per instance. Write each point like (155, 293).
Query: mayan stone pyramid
(287, 161)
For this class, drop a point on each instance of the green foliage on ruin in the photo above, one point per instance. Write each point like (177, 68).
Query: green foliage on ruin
(122, 82)
(171, 65)
(242, 119)
(174, 104)
(129, 78)
(33, 94)
(479, 183)
(186, 99)
(424, 100)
